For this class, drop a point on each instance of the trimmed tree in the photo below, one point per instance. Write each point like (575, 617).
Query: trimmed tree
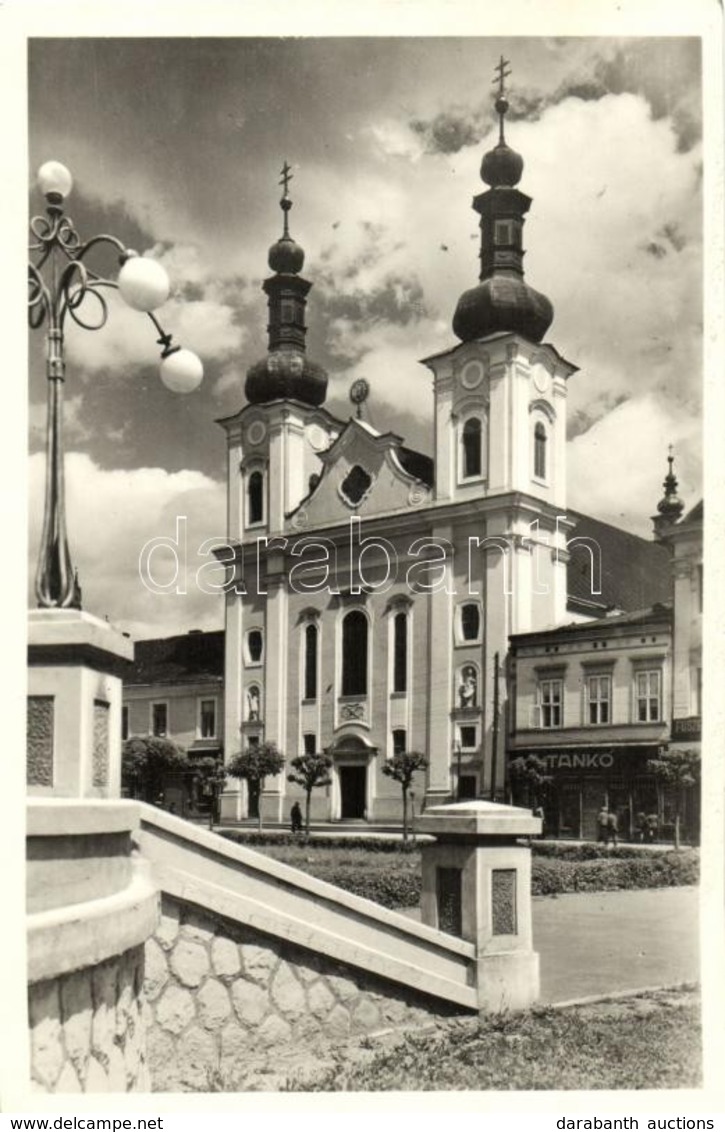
(401, 768)
(529, 773)
(310, 771)
(211, 776)
(145, 761)
(254, 764)
(679, 770)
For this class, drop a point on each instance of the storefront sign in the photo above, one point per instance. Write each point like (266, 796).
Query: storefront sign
(579, 760)
(689, 728)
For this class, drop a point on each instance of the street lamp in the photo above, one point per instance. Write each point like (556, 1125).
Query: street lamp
(61, 292)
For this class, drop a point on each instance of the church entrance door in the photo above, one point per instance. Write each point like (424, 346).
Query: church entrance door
(353, 790)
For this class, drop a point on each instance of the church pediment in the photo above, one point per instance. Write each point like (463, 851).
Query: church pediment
(364, 473)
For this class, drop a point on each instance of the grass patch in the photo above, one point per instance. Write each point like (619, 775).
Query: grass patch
(391, 875)
(646, 1042)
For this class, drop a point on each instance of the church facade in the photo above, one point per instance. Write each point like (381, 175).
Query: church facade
(372, 591)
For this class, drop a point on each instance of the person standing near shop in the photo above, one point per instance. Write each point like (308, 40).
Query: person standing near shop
(603, 824)
(612, 827)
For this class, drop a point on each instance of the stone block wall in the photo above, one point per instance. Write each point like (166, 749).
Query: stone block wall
(229, 1008)
(87, 1029)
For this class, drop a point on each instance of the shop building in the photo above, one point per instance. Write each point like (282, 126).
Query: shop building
(593, 701)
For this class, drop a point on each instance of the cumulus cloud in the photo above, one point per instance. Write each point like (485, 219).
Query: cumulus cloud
(112, 515)
(615, 470)
(74, 428)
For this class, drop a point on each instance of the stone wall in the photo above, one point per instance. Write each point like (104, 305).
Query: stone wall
(231, 1008)
(87, 1029)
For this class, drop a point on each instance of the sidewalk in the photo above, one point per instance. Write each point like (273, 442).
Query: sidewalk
(593, 943)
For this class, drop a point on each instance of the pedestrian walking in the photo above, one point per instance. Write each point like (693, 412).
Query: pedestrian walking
(296, 818)
(603, 825)
(612, 827)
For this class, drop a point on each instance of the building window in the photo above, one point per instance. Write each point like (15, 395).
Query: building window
(648, 695)
(550, 701)
(356, 485)
(310, 689)
(207, 719)
(159, 720)
(470, 622)
(540, 451)
(471, 443)
(599, 699)
(503, 232)
(309, 742)
(468, 736)
(255, 498)
(400, 652)
(124, 722)
(400, 741)
(355, 654)
(255, 646)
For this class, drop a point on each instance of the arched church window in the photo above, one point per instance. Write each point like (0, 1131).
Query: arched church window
(255, 498)
(470, 621)
(311, 636)
(255, 644)
(355, 654)
(540, 451)
(400, 652)
(471, 440)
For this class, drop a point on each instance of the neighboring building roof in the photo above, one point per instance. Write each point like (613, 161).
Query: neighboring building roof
(634, 571)
(192, 658)
(655, 615)
(696, 515)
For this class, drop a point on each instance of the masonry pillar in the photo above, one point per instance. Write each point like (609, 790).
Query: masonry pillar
(477, 885)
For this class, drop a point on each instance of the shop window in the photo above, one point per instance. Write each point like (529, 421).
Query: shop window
(648, 696)
(311, 642)
(470, 622)
(207, 719)
(599, 699)
(255, 646)
(550, 703)
(159, 720)
(255, 498)
(400, 741)
(309, 741)
(124, 722)
(471, 437)
(540, 451)
(400, 652)
(355, 654)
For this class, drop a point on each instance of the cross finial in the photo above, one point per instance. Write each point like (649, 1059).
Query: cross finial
(502, 74)
(503, 70)
(285, 204)
(286, 177)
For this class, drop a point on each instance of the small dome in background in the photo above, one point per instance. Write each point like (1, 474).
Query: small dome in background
(502, 166)
(286, 257)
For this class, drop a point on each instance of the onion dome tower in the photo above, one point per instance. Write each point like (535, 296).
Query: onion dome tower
(670, 506)
(502, 301)
(286, 372)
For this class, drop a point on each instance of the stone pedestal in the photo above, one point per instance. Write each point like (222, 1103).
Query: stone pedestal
(74, 704)
(477, 885)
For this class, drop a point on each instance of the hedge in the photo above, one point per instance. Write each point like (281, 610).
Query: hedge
(401, 889)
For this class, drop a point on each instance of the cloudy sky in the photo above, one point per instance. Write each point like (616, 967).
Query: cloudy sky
(176, 146)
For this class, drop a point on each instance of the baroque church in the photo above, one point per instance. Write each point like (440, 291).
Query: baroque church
(372, 590)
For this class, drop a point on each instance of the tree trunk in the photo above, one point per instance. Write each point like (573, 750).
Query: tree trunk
(260, 788)
(677, 828)
(405, 813)
(308, 800)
